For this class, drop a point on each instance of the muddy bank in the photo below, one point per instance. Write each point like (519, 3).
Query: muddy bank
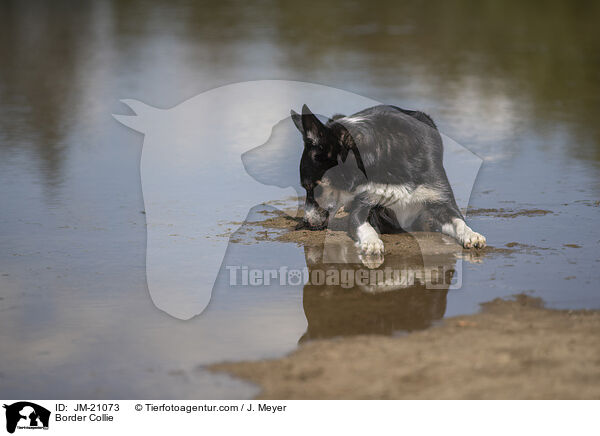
(282, 226)
(509, 213)
(513, 349)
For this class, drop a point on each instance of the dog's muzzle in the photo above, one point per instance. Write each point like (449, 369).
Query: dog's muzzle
(315, 217)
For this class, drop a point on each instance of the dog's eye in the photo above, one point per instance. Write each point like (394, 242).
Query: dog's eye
(317, 155)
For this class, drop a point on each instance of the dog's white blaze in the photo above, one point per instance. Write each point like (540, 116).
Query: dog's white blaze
(311, 135)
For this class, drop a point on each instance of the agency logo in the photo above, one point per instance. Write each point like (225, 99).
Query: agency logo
(26, 415)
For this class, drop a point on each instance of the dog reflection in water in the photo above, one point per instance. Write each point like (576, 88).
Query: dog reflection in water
(343, 298)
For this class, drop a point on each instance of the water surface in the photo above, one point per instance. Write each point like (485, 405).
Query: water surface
(517, 84)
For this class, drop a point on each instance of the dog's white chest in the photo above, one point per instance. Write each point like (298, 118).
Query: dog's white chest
(406, 202)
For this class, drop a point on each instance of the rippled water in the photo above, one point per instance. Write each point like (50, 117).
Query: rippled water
(516, 84)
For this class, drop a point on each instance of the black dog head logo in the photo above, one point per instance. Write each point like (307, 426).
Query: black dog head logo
(26, 414)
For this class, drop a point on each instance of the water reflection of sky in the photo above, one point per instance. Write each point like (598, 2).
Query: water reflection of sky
(76, 317)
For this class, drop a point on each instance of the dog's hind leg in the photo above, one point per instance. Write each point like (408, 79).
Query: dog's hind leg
(384, 220)
(445, 218)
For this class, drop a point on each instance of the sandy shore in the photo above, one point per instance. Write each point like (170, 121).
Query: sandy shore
(511, 350)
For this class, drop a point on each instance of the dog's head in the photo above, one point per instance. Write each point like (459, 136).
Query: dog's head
(326, 146)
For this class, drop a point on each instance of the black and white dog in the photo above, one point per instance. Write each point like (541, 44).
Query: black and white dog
(384, 165)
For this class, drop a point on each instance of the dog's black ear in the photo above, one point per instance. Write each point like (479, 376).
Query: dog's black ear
(343, 156)
(347, 145)
(297, 119)
(344, 153)
(312, 128)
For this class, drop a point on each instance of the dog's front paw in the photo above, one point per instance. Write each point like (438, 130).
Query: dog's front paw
(372, 246)
(474, 240)
(371, 252)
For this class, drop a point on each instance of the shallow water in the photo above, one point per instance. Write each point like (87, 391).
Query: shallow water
(517, 85)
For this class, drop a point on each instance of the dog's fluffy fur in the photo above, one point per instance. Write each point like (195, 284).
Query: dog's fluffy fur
(384, 165)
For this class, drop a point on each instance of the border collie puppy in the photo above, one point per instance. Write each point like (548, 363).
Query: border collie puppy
(384, 165)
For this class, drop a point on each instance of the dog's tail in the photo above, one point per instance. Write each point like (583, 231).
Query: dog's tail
(421, 116)
(335, 117)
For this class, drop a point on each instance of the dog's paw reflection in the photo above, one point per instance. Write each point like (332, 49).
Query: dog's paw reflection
(371, 261)
(471, 256)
